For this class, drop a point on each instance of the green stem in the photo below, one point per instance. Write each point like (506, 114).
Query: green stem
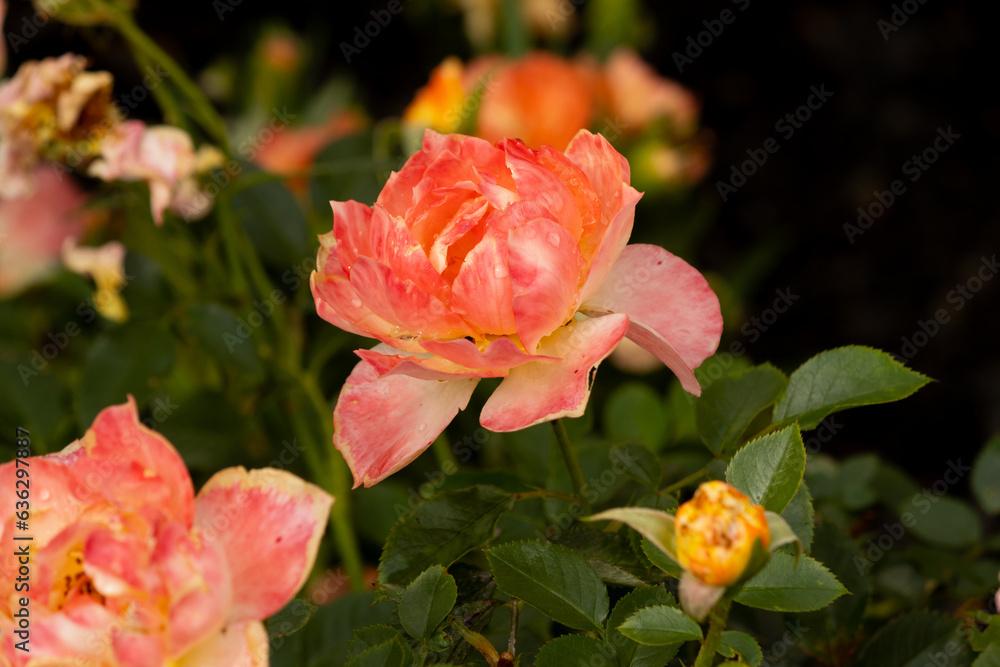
(442, 451)
(171, 109)
(340, 486)
(231, 242)
(572, 463)
(203, 109)
(716, 626)
(693, 477)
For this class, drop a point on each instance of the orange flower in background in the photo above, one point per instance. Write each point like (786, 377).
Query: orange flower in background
(438, 105)
(33, 228)
(294, 149)
(129, 567)
(716, 531)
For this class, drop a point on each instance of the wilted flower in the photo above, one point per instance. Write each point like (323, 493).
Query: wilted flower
(106, 265)
(51, 110)
(33, 228)
(496, 261)
(716, 531)
(129, 567)
(164, 157)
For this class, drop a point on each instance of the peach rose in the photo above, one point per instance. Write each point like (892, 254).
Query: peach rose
(128, 567)
(33, 228)
(481, 260)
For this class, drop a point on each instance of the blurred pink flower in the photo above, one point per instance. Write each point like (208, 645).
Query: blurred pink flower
(164, 157)
(128, 567)
(34, 227)
(638, 96)
(481, 260)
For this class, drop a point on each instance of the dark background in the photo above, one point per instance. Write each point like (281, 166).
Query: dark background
(889, 99)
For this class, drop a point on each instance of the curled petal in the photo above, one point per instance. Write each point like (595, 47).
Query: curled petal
(482, 293)
(146, 457)
(241, 645)
(381, 424)
(351, 225)
(545, 265)
(401, 302)
(605, 168)
(539, 391)
(502, 353)
(425, 367)
(611, 242)
(672, 310)
(263, 516)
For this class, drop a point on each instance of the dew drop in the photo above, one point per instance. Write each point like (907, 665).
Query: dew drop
(356, 302)
(553, 239)
(422, 427)
(500, 270)
(44, 495)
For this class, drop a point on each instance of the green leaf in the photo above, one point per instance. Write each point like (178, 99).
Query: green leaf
(441, 530)
(728, 406)
(856, 476)
(988, 658)
(290, 619)
(372, 636)
(610, 554)
(781, 586)
(912, 640)
(641, 461)
(660, 625)
(631, 653)
(654, 525)
(844, 378)
(393, 653)
(324, 640)
(769, 469)
(942, 520)
(836, 550)
(659, 558)
(986, 477)
(225, 338)
(554, 580)
(127, 360)
(275, 224)
(799, 515)
(427, 602)
(633, 414)
(744, 645)
(575, 650)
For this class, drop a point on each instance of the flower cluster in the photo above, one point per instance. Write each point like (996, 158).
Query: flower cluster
(129, 567)
(544, 100)
(496, 261)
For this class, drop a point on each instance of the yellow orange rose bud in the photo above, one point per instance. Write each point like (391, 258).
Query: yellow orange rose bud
(716, 531)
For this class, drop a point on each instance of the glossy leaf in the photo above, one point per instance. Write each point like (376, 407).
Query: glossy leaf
(427, 601)
(783, 586)
(660, 625)
(728, 405)
(770, 468)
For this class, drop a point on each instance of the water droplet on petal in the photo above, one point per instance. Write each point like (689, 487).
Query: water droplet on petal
(500, 270)
(44, 495)
(422, 427)
(553, 239)
(356, 302)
